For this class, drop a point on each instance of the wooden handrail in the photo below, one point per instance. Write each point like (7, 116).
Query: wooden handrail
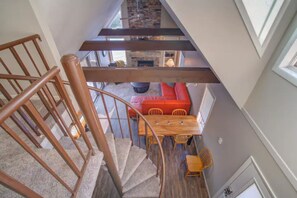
(139, 115)
(23, 100)
(16, 186)
(19, 41)
(23, 97)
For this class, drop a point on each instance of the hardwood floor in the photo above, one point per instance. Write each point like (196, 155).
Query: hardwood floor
(176, 186)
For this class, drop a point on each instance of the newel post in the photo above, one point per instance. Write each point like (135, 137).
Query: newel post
(81, 92)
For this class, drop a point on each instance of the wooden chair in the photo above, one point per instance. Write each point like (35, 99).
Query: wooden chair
(197, 163)
(181, 139)
(179, 112)
(150, 139)
(155, 111)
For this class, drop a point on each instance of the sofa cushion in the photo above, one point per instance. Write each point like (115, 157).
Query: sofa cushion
(182, 92)
(167, 91)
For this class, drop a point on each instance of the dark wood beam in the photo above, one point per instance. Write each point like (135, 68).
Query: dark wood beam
(150, 74)
(142, 32)
(137, 45)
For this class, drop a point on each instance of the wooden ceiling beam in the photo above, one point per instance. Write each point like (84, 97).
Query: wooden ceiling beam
(141, 32)
(150, 74)
(137, 45)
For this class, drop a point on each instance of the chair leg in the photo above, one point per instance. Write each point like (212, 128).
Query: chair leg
(174, 146)
(184, 146)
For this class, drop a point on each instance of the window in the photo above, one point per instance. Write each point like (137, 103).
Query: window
(286, 64)
(261, 18)
(117, 55)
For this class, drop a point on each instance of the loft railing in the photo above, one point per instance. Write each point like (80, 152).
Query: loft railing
(16, 77)
(24, 101)
(81, 92)
(119, 104)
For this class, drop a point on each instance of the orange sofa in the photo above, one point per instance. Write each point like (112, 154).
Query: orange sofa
(176, 97)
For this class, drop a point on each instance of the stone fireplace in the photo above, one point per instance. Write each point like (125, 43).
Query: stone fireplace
(149, 12)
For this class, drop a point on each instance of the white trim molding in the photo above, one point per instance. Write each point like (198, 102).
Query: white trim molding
(242, 168)
(262, 45)
(273, 152)
(284, 65)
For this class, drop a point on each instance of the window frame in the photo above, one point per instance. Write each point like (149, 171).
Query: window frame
(284, 65)
(260, 48)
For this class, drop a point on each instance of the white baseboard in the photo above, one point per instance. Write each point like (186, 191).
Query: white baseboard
(276, 156)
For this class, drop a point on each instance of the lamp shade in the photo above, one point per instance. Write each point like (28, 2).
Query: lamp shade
(170, 63)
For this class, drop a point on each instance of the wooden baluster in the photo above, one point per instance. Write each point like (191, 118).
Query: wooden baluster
(20, 111)
(68, 104)
(52, 102)
(129, 124)
(40, 94)
(9, 72)
(116, 106)
(16, 186)
(79, 87)
(137, 129)
(33, 154)
(34, 114)
(35, 66)
(41, 54)
(107, 114)
(22, 127)
(146, 138)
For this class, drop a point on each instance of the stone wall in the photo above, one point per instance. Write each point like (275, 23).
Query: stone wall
(148, 15)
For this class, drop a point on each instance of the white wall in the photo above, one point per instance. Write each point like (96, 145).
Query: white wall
(17, 20)
(239, 142)
(166, 20)
(272, 106)
(73, 22)
(217, 29)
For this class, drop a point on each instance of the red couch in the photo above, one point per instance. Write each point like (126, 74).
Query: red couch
(176, 97)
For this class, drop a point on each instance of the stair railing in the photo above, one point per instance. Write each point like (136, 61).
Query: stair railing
(24, 101)
(81, 92)
(25, 57)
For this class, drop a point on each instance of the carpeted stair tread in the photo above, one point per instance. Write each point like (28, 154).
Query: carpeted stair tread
(112, 148)
(144, 171)
(149, 188)
(136, 156)
(122, 148)
(32, 174)
(90, 177)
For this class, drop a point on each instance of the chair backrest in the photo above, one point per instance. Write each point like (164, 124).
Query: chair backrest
(206, 157)
(155, 111)
(179, 112)
(153, 140)
(182, 138)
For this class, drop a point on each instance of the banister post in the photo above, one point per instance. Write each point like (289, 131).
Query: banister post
(81, 92)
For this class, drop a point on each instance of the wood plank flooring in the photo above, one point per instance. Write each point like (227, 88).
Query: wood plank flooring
(176, 186)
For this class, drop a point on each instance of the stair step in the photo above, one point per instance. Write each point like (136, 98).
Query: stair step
(67, 143)
(144, 171)
(122, 148)
(90, 177)
(29, 172)
(136, 156)
(149, 188)
(111, 143)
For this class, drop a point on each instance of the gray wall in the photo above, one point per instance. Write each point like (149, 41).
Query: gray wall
(239, 142)
(272, 106)
(218, 30)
